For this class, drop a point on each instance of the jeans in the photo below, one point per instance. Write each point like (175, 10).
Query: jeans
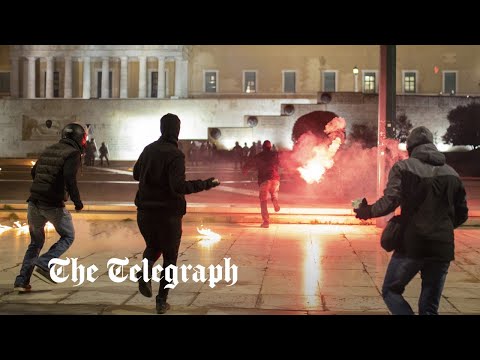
(401, 271)
(162, 234)
(37, 218)
(268, 187)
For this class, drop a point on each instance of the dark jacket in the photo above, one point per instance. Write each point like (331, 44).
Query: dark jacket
(267, 164)
(160, 170)
(55, 175)
(433, 202)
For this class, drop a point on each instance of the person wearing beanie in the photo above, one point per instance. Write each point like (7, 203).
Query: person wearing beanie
(160, 201)
(266, 162)
(433, 203)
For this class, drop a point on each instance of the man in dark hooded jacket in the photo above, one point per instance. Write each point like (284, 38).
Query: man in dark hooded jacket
(161, 204)
(433, 202)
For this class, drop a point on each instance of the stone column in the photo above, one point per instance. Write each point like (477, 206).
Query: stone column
(178, 82)
(123, 77)
(161, 78)
(181, 80)
(14, 90)
(67, 87)
(142, 77)
(105, 77)
(49, 78)
(31, 78)
(86, 77)
(184, 79)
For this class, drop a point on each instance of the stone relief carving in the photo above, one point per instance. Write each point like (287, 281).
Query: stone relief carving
(44, 128)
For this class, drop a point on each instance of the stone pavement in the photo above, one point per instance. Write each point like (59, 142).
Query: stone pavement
(286, 269)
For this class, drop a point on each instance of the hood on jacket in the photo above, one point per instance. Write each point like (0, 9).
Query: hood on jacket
(170, 127)
(429, 154)
(420, 135)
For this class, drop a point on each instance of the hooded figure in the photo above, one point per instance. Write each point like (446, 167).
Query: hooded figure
(433, 202)
(160, 201)
(419, 136)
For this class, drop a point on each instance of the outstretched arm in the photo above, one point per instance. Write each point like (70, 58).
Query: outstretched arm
(178, 184)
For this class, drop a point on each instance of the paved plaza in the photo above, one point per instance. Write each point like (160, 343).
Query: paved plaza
(286, 269)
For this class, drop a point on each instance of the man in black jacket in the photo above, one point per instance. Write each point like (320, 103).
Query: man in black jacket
(433, 202)
(266, 163)
(161, 204)
(54, 179)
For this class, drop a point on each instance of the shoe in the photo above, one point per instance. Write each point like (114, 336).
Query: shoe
(162, 307)
(265, 224)
(145, 287)
(22, 288)
(43, 275)
(276, 207)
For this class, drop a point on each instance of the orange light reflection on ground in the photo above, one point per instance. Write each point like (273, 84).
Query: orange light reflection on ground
(312, 272)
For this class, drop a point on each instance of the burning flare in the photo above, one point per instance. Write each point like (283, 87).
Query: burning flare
(21, 229)
(321, 153)
(209, 237)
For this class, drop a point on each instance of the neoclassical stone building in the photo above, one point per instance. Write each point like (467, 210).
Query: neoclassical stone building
(98, 71)
(121, 91)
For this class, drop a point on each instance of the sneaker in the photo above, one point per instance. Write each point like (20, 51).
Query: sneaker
(22, 288)
(162, 307)
(145, 287)
(265, 224)
(43, 275)
(276, 207)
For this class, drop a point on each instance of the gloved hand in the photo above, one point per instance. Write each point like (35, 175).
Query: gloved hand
(364, 211)
(78, 206)
(211, 183)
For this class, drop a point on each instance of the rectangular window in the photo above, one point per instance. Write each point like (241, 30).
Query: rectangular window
(110, 84)
(99, 84)
(210, 81)
(56, 84)
(154, 88)
(250, 81)
(329, 81)
(4, 82)
(369, 82)
(410, 82)
(449, 82)
(289, 81)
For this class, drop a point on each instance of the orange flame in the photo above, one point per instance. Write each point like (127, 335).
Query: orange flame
(322, 160)
(21, 229)
(209, 237)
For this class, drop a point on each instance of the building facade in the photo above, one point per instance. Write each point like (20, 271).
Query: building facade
(122, 90)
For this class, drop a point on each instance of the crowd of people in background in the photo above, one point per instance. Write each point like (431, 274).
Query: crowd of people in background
(204, 152)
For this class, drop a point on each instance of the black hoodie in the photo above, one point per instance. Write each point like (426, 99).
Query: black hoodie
(160, 170)
(432, 198)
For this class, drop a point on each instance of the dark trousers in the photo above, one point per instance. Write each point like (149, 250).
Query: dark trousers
(401, 270)
(106, 158)
(162, 234)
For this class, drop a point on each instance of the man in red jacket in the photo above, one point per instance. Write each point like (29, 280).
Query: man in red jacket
(266, 163)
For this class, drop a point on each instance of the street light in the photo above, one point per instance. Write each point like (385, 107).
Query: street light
(355, 74)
